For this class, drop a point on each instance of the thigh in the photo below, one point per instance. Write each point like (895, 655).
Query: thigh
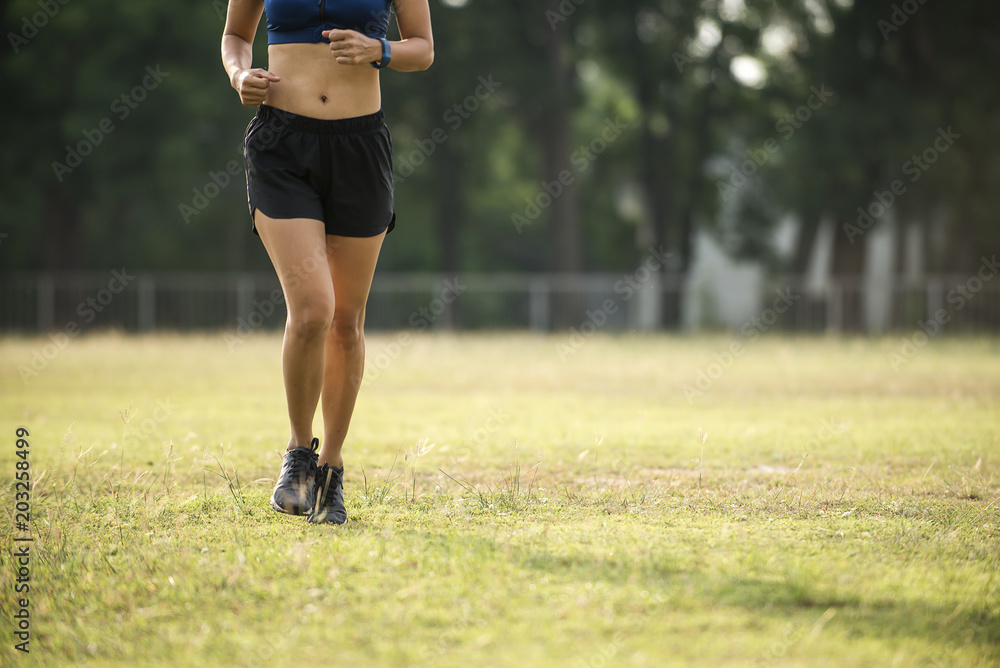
(359, 200)
(280, 163)
(297, 248)
(352, 263)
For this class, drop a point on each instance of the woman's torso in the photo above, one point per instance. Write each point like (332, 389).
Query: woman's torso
(312, 82)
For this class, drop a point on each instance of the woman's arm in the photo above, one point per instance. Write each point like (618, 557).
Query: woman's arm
(414, 52)
(251, 83)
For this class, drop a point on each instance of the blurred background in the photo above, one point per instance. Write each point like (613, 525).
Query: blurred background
(804, 165)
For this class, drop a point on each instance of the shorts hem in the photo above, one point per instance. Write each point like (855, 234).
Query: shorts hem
(358, 234)
(365, 234)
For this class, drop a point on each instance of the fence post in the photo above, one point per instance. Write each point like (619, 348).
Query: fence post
(935, 296)
(834, 308)
(448, 314)
(46, 303)
(244, 295)
(538, 304)
(147, 304)
(648, 305)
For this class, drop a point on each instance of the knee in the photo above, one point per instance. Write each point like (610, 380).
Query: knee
(346, 329)
(310, 320)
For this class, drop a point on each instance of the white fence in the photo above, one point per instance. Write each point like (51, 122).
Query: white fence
(541, 302)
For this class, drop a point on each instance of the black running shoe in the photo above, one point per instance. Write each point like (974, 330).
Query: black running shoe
(329, 505)
(293, 493)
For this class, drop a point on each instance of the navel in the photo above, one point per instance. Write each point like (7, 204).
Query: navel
(323, 98)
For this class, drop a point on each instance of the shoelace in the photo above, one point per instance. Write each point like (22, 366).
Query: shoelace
(298, 459)
(298, 463)
(325, 488)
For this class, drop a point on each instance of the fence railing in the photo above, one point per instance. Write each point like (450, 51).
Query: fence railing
(541, 302)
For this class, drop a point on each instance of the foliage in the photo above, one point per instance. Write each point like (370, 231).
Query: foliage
(164, 189)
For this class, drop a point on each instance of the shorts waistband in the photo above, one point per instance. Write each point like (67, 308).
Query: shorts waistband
(321, 126)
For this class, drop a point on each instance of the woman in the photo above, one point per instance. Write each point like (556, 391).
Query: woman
(319, 184)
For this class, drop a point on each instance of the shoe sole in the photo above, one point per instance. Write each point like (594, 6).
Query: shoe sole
(296, 510)
(338, 524)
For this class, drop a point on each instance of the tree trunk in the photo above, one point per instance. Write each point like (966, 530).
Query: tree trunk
(808, 230)
(565, 248)
(657, 179)
(848, 271)
(61, 222)
(696, 184)
(450, 204)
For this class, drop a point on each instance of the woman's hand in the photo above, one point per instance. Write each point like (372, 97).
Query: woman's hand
(252, 85)
(352, 48)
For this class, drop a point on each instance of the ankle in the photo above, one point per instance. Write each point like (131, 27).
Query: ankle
(336, 462)
(293, 443)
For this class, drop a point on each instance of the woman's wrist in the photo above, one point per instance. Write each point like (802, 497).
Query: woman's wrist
(374, 50)
(234, 78)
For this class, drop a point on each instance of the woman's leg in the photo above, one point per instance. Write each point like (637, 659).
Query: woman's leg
(298, 249)
(352, 264)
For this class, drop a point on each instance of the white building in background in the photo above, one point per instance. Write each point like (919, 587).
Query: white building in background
(722, 292)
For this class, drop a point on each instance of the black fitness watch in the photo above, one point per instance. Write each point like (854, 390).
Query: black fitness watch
(386, 55)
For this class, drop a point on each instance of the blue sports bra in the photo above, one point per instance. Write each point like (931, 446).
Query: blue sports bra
(305, 20)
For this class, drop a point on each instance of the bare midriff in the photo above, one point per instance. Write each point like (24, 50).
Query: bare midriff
(314, 84)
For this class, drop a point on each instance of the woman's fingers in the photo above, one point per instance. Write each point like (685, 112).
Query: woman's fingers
(350, 47)
(259, 78)
(254, 85)
(338, 35)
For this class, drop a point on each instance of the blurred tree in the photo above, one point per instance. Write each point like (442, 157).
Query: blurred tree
(676, 59)
(124, 119)
(903, 76)
(126, 147)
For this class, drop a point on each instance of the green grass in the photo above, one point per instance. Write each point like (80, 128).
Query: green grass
(511, 508)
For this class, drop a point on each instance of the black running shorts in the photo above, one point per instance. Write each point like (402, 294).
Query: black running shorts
(336, 171)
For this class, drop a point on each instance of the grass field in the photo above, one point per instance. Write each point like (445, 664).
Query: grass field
(508, 507)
